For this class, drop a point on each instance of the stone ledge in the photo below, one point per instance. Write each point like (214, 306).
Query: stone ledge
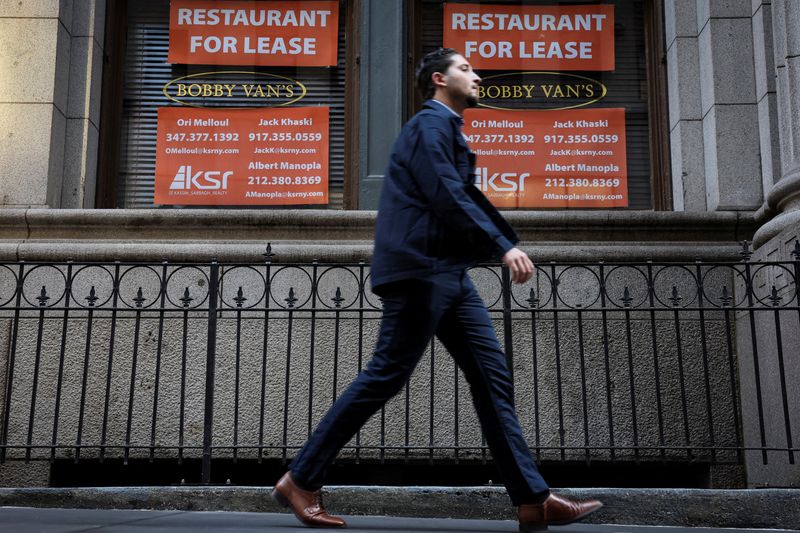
(263, 225)
(342, 251)
(346, 236)
(754, 508)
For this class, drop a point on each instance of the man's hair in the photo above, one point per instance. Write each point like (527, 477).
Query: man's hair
(437, 61)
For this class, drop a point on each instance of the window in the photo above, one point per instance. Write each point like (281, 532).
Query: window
(634, 85)
(145, 81)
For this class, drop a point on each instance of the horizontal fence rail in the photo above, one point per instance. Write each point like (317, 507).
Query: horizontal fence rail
(611, 362)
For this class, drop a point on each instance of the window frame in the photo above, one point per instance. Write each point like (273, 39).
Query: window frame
(658, 120)
(108, 160)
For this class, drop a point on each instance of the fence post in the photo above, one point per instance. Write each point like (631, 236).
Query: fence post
(11, 355)
(507, 332)
(211, 353)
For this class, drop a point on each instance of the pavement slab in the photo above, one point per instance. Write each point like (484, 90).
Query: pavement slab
(34, 520)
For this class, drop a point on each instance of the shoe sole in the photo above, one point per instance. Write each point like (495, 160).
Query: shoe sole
(531, 528)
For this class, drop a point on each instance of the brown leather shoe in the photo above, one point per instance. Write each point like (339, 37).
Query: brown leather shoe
(556, 510)
(305, 504)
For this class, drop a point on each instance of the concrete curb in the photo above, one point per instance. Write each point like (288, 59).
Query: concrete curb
(757, 508)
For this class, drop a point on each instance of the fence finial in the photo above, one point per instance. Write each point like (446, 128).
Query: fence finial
(675, 298)
(268, 255)
(532, 300)
(626, 297)
(92, 298)
(139, 298)
(291, 300)
(186, 299)
(337, 299)
(745, 252)
(774, 297)
(43, 297)
(726, 298)
(239, 298)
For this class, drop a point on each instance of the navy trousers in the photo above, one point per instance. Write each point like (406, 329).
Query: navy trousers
(448, 306)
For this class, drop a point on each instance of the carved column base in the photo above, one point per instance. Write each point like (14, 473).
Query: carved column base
(783, 199)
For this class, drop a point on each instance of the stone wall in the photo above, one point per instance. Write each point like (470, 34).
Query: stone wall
(51, 56)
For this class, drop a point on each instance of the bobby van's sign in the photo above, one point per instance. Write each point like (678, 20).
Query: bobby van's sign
(262, 33)
(515, 37)
(208, 89)
(539, 90)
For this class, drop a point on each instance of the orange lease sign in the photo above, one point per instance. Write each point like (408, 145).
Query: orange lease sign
(570, 158)
(263, 156)
(514, 37)
(269, 33)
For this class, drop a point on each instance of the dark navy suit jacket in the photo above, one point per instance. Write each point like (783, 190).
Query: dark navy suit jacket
(431, 217)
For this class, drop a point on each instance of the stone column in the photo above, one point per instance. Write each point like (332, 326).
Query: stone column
(766, 96)
(728, 105)
(382, 81)
(782, 206)
(778, 63)
(685, 113)
(51, 60)
(34, 60)
(83, 104)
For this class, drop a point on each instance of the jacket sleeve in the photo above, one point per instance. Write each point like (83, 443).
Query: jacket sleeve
(432, 165)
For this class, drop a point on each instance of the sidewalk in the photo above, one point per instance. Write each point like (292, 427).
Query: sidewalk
(411, 508)
(29, 520)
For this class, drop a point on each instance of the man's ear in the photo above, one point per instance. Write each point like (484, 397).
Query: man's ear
(438, 79)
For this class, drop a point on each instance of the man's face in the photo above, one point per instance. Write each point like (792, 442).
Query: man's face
(462, 82)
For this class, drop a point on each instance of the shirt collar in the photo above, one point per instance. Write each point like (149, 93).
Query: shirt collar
(450, 109)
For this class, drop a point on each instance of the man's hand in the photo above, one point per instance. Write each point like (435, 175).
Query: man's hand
(520, 264)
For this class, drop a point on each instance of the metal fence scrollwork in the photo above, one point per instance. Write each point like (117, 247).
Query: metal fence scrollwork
(611, 362)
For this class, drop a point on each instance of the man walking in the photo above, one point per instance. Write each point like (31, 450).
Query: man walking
(433, 224)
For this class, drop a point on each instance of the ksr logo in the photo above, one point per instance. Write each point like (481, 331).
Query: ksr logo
(185, 180)
(499, 181)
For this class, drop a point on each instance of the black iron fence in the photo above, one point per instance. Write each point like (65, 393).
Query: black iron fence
(611, 362)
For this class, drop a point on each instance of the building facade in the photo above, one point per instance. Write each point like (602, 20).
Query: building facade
(616, 131)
